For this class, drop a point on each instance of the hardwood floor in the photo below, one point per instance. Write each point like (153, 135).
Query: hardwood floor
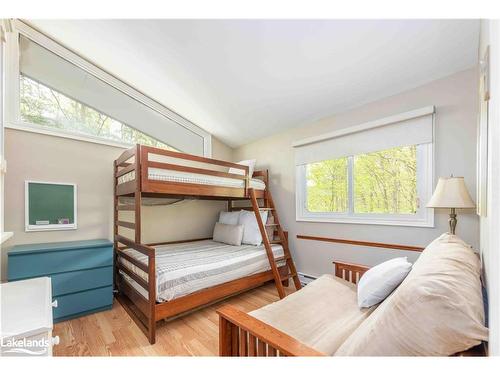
(113, 333)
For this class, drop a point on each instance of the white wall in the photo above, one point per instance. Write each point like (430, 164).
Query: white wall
(490, 233)
(455, 98)
(90, 165)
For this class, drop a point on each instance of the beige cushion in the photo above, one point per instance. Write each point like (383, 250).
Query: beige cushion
(228, 233)
(321, 315)
(436, 311)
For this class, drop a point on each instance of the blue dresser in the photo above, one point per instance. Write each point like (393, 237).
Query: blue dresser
(81, 273)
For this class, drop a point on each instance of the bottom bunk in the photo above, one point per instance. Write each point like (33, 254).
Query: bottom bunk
(187, 276)
(188, 267)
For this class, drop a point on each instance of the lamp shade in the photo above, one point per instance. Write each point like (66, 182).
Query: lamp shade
(451, 192)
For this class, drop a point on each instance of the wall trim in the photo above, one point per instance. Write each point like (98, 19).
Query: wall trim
(63, 134)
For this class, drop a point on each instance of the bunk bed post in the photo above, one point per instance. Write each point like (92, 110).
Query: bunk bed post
(152, 297)
(137, 194)
(115, 224)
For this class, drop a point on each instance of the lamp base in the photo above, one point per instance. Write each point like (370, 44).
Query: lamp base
(453, 221)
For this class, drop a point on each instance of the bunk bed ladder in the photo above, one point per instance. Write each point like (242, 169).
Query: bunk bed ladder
(276, 226)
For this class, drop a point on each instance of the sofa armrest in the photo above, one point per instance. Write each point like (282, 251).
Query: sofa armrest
(243, 335)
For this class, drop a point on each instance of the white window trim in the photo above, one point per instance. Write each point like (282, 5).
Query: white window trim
(12, 102)
(423, 218)
(49, 227)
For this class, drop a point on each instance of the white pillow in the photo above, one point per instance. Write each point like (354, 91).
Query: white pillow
(379, 281)
(251, 167)
(227, 233)
(251, 232)
(229, 217)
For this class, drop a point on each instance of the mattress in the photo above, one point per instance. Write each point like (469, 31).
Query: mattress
(194, 178)
(185, 268)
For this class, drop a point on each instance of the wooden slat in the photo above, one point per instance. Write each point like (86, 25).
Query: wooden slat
(271, 352)
(225, 342)
(129, 168)
(132, 260)
(146, 250)
(252, 346)
(183, 168)
(243, 343)
(192, 190)
(362, 243)
(125, 224)
(125, 207)
(286, 344)
(180, 155)
(126, 188)
(139, 280)
(135, 298)
(127, 154)
(235, 340)
(261, 349)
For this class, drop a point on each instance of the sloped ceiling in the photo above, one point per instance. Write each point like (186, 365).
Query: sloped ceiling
(245, 79)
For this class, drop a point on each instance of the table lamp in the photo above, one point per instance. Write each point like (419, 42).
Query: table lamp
(451, 193)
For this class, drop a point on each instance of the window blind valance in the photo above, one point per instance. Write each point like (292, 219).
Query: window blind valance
(410, 128)
(53, 71)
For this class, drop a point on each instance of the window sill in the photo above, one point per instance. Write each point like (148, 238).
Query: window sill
(32, 128)
(389, 222)
(5, 236)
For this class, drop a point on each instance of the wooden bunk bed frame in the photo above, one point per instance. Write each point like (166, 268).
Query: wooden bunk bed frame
(242, 335)
(135, 162)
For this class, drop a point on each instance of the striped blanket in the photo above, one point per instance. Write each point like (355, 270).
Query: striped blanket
(182, 269)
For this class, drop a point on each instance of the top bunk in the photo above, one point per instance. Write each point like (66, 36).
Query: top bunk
(159, 173)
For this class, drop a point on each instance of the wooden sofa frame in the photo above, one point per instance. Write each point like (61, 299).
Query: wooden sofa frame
(135, 163)
(242, 335)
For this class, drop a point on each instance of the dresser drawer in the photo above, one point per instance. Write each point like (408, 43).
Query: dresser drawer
(83, 302)
(75, 281)
(45, 263)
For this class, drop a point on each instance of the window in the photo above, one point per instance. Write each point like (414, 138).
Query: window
(384, 185)
(49, 108)
(327, 186)
(385, 182)
(55, 91)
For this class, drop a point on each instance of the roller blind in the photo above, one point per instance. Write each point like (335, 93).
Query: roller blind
(400, 130)
(55, 72)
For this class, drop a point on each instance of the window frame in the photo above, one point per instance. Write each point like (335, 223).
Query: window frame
(423, 218)
(12, 88)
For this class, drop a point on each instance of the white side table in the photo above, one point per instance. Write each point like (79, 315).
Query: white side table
(26, 318)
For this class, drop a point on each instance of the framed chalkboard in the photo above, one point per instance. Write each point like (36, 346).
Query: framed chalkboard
(50, 206)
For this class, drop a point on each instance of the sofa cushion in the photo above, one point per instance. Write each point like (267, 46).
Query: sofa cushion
(321, 315)
(436, 311)
(379, 281)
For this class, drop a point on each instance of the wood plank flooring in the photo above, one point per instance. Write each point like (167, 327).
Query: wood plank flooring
(113, 333)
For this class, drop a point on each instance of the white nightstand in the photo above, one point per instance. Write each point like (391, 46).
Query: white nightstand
(26, 318)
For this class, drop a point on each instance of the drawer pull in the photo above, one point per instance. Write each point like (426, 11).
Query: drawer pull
(55, 340)
(54, 303)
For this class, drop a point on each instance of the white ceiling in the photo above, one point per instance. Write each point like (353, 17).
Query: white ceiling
(245, 79)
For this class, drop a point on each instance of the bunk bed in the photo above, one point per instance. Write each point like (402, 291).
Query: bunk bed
(144, 172)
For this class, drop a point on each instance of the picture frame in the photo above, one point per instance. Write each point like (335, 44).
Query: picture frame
(50, 206)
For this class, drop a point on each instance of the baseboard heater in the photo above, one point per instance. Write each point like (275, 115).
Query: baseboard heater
(305, 279)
